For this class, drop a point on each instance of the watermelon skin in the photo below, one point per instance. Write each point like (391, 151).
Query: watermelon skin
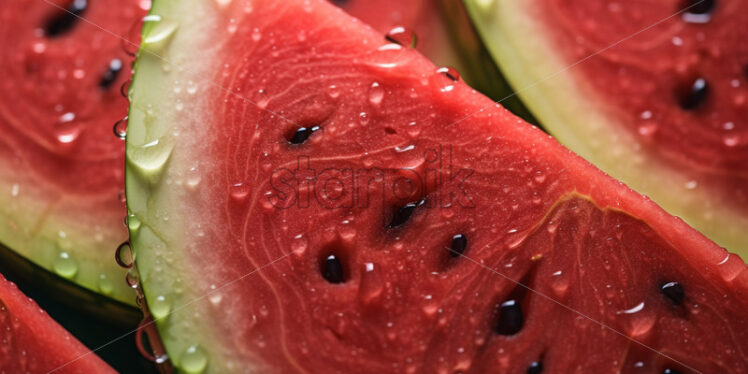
(236, 275)
(621, 109)
(60, 165)
(34, 343)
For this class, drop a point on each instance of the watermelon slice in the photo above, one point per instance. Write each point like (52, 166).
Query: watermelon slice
(316, 199)
(34, 343)
(60, 165)
(653, 92)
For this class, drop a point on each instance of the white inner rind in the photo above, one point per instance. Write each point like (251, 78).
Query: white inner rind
(166, 143)
(551, 88)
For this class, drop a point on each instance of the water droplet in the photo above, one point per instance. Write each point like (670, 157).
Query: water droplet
(124, 256)
(160, 307)
(131, 41)
(399, 149)
(133, 223)
(125, 89)
(635, 309)
(105, 285)
(239, 192)
(149, 159)
(262, 99)
(363, 118)
(449, 72)
(193, 178)
(133, 278)
(232, 26)
(376, 93)
(559, 284)
(67, 132)
(194, 360)
(371, 287)
(120, 128)
(65, 266)
(256, 34)
(157, 32)
(333, 91)
(402, 36)
(647, 129)
(299, 245)
(731, 141)
(444, 78)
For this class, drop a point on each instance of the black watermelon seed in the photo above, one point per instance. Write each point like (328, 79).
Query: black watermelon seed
(695, 95)
(536, 367)
(459, 243)
(111, 73)
(302, 134)
(66, 19)
(699, 6)
(510, 318)
(403, 214)
(674, 292)
(671, 371)
(339, 2)
(332, 269)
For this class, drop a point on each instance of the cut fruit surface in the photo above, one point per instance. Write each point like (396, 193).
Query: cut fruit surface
(336, 203)
(652, 92)
(34, 343)
(61, 176)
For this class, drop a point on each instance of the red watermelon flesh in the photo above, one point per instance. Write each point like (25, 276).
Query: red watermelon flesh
(322, 201)
(653, 92)
(34, 343)
(60, 164)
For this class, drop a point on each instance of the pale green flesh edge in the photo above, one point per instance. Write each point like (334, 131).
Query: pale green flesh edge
(56, 242)
(161, 148)
(521, 48)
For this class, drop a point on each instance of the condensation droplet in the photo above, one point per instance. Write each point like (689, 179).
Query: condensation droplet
(120, 128)
(124, 256)
(65, 265)
(194, 360)
(376, 93)
(402, 36)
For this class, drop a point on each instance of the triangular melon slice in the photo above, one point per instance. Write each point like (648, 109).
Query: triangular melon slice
(316, 199)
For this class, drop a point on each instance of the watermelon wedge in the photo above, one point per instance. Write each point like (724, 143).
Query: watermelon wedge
(34, 343)
(316, 199)
(60, 165)
(653, 92)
